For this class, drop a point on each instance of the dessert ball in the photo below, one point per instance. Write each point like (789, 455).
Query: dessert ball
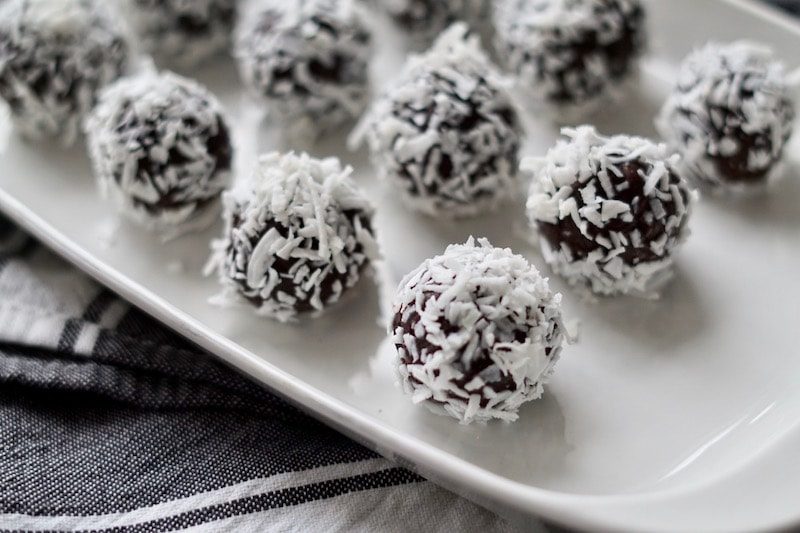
(423, 20)
(297, 237)
(570, 55)
(182, 32)
(729, 115)
(447, 135)
(54, 57)
(610, 211)
(307, 60)
(477, 332)
(161, 149)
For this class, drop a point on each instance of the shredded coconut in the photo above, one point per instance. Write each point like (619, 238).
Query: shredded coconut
(729, 115)
(477, 332)
(611, 211)
(307, 60)
(160, 149)
(298, 234)
(55, 55)
(570, 55)
(448, 134)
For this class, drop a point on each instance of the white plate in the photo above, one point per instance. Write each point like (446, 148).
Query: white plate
(674, 415)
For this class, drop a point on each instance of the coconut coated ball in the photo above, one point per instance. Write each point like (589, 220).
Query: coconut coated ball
(424, 20)
(477, 332)
(306, 60)
(730, 115)
(447, 135)
(570, 56)
(297, 237)
(55, 55)
(182, 32)
(161, 150)
(610, 212)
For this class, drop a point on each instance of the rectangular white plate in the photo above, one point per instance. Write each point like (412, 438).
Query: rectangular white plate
(680, 414)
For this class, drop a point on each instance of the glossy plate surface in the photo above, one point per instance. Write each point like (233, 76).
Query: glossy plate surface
(678, 414)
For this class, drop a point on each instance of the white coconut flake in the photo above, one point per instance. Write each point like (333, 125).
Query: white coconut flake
(581, 162)
(476, 302)
(267, 257)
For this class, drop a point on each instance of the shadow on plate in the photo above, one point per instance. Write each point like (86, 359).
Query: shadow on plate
(676, 318)
(776, 207)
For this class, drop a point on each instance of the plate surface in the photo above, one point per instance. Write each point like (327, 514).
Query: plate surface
(678, 414)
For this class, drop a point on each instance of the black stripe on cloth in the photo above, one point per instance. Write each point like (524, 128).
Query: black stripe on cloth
(274, 500)
(69, 335)
(74, 326)
(94, 312)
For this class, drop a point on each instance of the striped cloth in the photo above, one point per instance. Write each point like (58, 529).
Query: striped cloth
(110, 422)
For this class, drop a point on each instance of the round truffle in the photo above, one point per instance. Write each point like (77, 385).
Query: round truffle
(570, 55)
(447, 135)
(161, 149)
(729, 115)
(182, 32)
(297, 237)
(610, 211)
(477, 332)
(54, 57)
(307, 60)
(424, 20)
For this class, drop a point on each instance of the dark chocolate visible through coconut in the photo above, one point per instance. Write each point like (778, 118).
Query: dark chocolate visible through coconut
(629, 189)
(332, 282)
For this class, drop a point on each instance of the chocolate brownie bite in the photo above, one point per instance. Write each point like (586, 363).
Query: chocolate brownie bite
(730, 115)
(610, 212)
(55, 55)
(424, 20)
(161, 150)
(447, 135)
(570, 56)
(477, 332)
(306, 60)
(181, 32)
(297, 237)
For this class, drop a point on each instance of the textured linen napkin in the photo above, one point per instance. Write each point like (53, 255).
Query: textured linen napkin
(111, 422)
